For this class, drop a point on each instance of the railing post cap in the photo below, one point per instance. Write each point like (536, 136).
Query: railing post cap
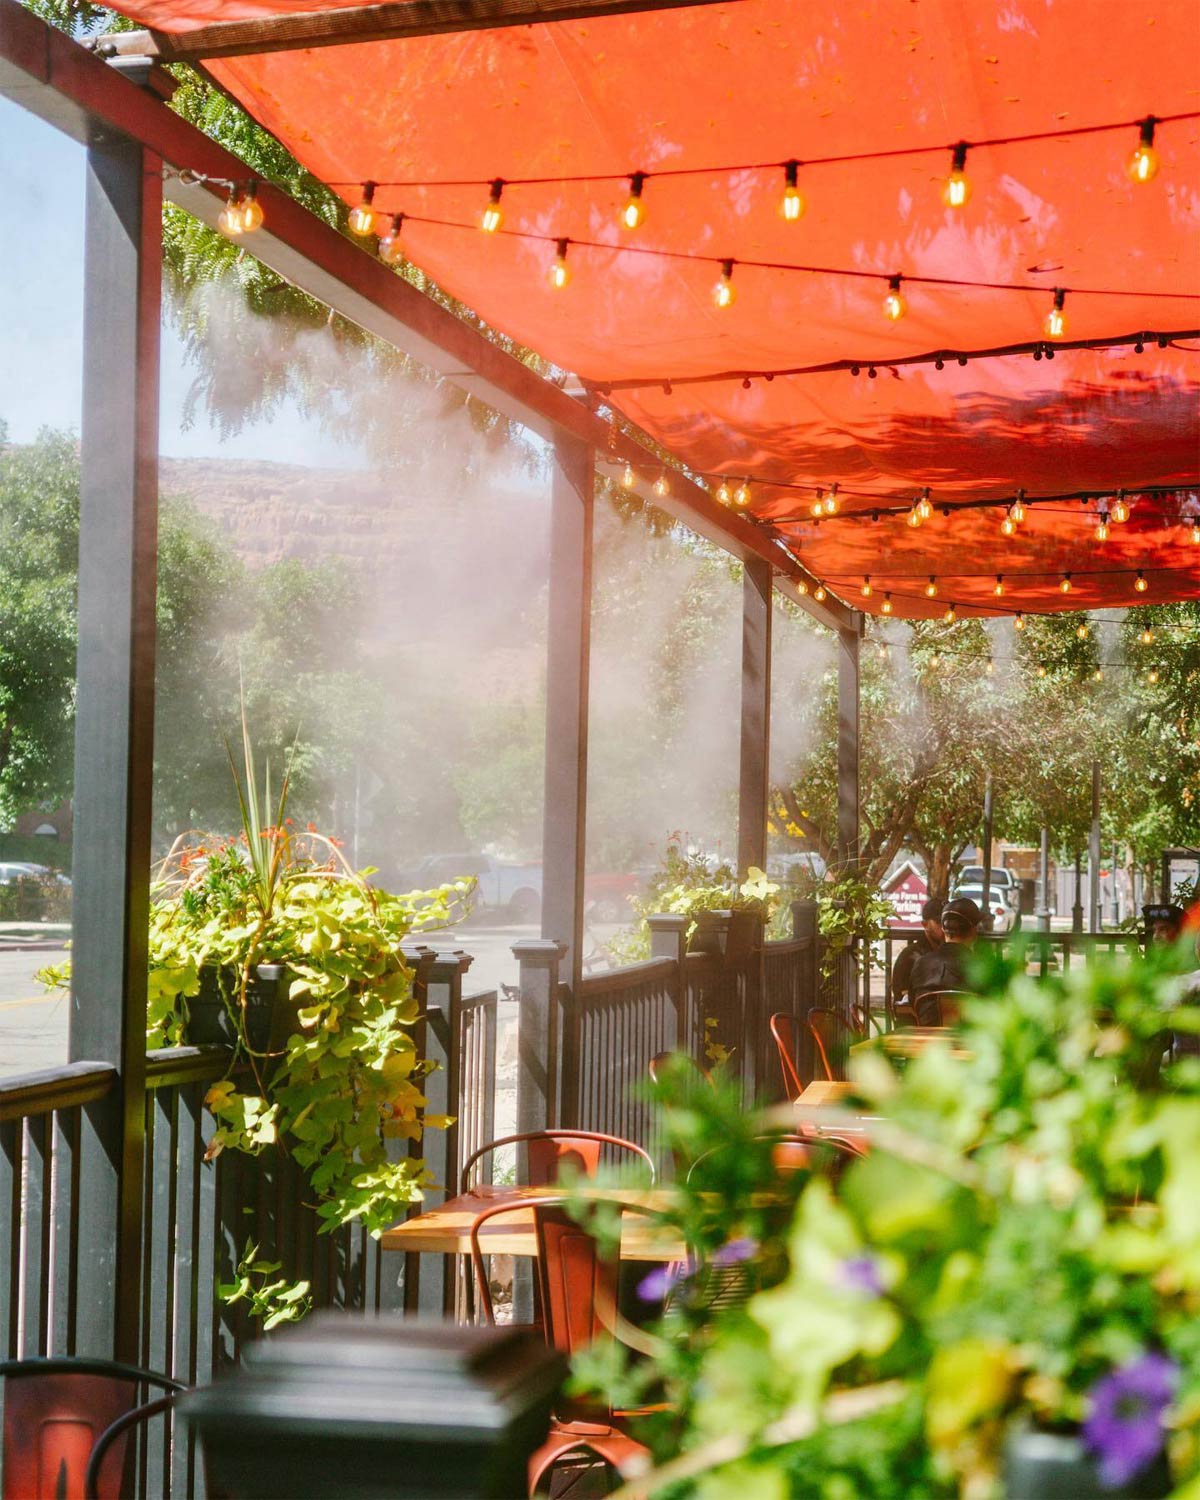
(539, 951)
(666, 921)
(450, 961)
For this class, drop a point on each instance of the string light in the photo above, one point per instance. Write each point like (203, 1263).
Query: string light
(1152, 675)
(725, 293)
(894, 304)
(560, 272)
(741, 496)
(1194, 523)
(990, 669)
(819, 593)
(633, 215)
(951, 614)
(931, 589)
(914, 516)
(723, 493)
(1098, 675)
(1041, 671)
(925, 505)
(1140, 583)
(235, 218)
(998, 586)
(628, 478)
(1102, 527)
(391, 249)
(1065, 586)
(1082, 631)
(865, 591)
(1120, 510)
(818, 505)
(362, 216)
(886, 606)
(662, 485)
(252, 213)
(791, 205)
(1142, 165)
(1017, 509)
(1008, 525)
(956, 192)
(1056, 319)
(1147, 637)
(831, 500)
(493, 215)
(1018, 621)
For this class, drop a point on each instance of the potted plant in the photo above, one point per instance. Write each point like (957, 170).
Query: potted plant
(1001, 1298)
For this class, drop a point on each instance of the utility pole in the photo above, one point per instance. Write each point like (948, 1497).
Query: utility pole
(1077, 909)
(1043, 911)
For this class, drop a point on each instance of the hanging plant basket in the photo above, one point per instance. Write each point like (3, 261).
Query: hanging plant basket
(1042, 1465)
(213, 1013)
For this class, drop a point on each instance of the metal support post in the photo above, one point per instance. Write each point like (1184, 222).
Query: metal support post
(569, 630)
(847, 747)
(114, 741)
(987, 854)
(1094, 854)
(756, 715)
(1077, 909)
(1114, 909)
(1043, 911)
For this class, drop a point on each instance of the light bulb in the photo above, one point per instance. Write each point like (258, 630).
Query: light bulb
(1143, 164)
(1041, 671)
(1147, 637)
(634, 212)
(831, 504)
(1018, 621)
(230, 221)
(818, 505)
(1065, 586)
(1056, 320)
(957, 189)
(801, 586)
(951, 615)
(1098, 675)
(998, 587)
(1152, 675)
(865, 591)
(1082, 632)
(628, 478)
(886, 606)
(741, 496)
(931, 589)
(252, 214)
(925, 505)
(560, 272)
(935, 658)
(1008, 525)
(723, 493)
(1120, 510)
(1102, 527)
(1140, 583)
(362, 216)
(791, 205)
(725, 293)
(1017, 509)
(914, 517)
(819, 593)
(492, 216)
(662, 486)
(990, 669)
(894, 304)
(391, 248)
(1194, 523)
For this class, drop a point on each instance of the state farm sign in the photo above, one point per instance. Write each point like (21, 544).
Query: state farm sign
(907, 891)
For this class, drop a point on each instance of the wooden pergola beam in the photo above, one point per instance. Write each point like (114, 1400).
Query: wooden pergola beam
(394, 21)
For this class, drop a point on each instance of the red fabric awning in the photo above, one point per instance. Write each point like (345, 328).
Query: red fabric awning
(761, 81)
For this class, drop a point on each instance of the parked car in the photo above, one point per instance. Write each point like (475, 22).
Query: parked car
(1005, 916)
(515, 889)
(14, 870)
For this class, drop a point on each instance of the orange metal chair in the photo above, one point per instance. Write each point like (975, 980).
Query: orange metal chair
(824, 1026)
(783, 1029)
(578, 1293)
(940, 1007)
(59, 1414)
(549, 1151)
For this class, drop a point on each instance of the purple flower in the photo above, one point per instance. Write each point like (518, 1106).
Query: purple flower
(735, 1251)
(860, 1273)
(1124, 1429)
(659, 1284)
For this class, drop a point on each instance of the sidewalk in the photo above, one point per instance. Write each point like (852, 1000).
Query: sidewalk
(17, 937)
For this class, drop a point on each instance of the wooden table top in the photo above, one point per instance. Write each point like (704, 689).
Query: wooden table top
(821, 1092)
(911, 1041)
(446, 1230)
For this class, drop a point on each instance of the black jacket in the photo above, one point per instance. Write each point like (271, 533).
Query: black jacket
(943, 969)
(903, 967)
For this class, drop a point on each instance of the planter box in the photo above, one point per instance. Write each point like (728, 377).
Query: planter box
(269, 1013)
(1056, 1466)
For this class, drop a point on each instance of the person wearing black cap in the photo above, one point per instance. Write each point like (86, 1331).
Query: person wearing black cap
(1164, 923)
(929, 941)
(946, 968)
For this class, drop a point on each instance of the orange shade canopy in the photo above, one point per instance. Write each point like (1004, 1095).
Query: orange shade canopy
(867, 98)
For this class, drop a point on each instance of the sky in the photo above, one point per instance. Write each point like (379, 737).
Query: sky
(41, 313)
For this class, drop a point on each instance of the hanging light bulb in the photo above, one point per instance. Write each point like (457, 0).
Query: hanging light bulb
(886, 606)
(951, 615)
(362, 216)
(724, 293)
(831, 500)
(1017, 509)
(998, 586)
(628, 477)
(1120, 509)
(1065, 586)
(1098, 675)
(1008, 526)
(492, 216)
(957, 189)
(230, 220)
(935, 659)
(913, 518)
(894, 304)
(925, 505)
(252, 214)
(741, 496)
(1041, 671)
(1140, 583)
(1143, 164)
(1018, 621)
(1082, 631)
(723, 493)
(1056, 319)
(560, 272)
(634, 212)
(1152, 675)
(1147, 637)
(391, 250)
(662, 485)
(1102, 527)
(1194, 523)
(931, 589)
(791, 205)
(801, 586)
(818, 505)
(819, 593)
(865, 591)
(990, 669)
